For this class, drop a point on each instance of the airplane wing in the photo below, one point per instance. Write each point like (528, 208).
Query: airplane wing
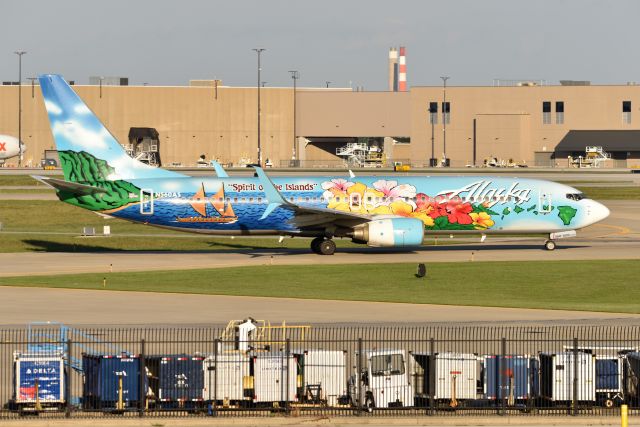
(305, 216)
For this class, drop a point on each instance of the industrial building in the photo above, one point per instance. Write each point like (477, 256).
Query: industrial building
(525, 123)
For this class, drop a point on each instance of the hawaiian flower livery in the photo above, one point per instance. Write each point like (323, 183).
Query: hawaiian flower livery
(335, 186)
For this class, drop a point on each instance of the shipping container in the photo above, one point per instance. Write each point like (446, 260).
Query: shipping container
(557, 374)
(507, 377)
(609, 380)
(448, 377)
(175, 379)
(322, 375)
(111, 382)
(227, 378)
(270, 377)
(39, 379)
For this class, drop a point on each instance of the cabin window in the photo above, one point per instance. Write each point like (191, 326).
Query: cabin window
(228, 199)
(306, 199)
(576, 196)
(259, 199)
(250, 199)
(321, 199)
(244, 200)
(235, 200)
(291, 199)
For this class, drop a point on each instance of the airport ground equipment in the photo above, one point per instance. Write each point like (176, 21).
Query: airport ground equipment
(609, 382)
(227, 378)
(558, 379)
(39, 381)
(176, 381)
(258, 335)
(384, 380)
(510, 378)
(112, 382)
(631, 378)
(448, 378)
(322, 376)
(274, 377)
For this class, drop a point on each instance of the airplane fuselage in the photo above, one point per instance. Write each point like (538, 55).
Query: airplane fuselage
(465, 204)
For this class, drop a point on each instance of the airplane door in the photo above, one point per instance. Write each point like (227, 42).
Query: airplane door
(146, 201)
(544, 202)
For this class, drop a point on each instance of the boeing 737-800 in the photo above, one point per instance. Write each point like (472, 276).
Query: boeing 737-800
(393, 211)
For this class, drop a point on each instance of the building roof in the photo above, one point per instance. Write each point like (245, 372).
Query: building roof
(609, 140)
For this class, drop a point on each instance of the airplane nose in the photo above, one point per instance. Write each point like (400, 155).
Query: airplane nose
(598, 212)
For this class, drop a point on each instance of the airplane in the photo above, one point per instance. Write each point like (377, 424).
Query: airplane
(392, 211)
(10, 147)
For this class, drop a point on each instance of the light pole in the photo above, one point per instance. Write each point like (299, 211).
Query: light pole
(259, 51)
(20, 53)
(295, 75)
(444, 118)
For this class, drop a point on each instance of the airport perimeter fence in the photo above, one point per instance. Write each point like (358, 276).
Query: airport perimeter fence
(255, 369)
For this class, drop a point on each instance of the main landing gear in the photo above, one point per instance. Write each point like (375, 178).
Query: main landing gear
(323, 246)
(549, 245)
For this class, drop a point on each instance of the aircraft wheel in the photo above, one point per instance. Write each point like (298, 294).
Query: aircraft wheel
(315, 245)
(549, 245)
(327, 247)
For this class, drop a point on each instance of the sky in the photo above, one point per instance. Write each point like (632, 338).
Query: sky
(346, 42)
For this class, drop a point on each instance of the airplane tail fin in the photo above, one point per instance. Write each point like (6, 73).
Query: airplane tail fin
(88, 151)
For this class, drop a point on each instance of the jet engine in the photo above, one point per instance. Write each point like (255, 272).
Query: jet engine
(390, 232)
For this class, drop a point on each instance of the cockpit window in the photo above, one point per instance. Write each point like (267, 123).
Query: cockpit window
(575, 196)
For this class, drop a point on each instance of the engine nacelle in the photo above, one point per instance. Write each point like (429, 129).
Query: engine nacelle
(390, 232)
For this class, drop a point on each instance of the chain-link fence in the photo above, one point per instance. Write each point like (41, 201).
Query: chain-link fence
(251, 368)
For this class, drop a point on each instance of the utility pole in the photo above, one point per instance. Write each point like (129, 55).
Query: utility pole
(259, 51)
(20, 53)
(295, 75)
(444, 119)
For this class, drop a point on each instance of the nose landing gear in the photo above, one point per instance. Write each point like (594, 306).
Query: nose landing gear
(323, 246)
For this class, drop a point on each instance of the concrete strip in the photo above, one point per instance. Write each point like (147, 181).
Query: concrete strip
(524, 420)
(69, 306)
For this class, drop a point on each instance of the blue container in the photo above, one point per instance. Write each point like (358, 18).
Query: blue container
(176, 378)
(507, 377)
(102, 380)
(607, 375)
(47, 371)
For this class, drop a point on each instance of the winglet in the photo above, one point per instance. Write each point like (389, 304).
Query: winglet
(273, 196)
(219, 169)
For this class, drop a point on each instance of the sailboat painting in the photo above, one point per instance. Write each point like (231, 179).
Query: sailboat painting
(221, 206)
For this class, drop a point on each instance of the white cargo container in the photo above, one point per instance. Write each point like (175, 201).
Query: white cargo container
(270, 377)
(226, 379)
(557, 374)
(326, 371)
(455, 376)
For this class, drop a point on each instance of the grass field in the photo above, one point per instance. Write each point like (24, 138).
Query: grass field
(568, 285)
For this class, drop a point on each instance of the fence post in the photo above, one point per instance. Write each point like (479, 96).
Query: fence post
(214, 402)
(142, 395)
(503, 369)
(67, 382)
(359, 376)
(288, 377)
(575, 376)
(431, 366)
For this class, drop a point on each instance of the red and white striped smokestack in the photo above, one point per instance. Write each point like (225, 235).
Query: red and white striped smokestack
(402, 71)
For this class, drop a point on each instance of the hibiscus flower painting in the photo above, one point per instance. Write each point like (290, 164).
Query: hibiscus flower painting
(387, 197)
